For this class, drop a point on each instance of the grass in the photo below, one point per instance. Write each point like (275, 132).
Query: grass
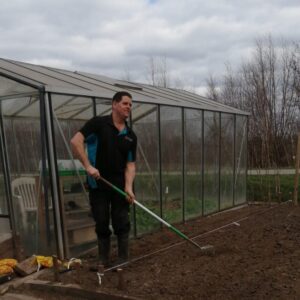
(259, 188)
(270, 187)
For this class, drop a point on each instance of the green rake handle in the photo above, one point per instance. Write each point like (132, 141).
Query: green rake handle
(178, 232)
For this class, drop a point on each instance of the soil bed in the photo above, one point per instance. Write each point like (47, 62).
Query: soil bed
(257, 257)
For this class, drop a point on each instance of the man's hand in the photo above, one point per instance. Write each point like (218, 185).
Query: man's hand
(93, 172)
(130, 195)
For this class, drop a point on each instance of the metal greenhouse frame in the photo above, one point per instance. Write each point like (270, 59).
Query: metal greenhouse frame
(191, 155)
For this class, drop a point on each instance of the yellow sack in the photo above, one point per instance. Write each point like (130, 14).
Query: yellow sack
(5, 269)
(8, 262)
(45, 261)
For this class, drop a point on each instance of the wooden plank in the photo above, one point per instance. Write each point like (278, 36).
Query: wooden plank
(27, 266)
(82, 235)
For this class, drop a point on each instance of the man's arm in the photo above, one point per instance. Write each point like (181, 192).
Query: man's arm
(129, 178)
(77, 145)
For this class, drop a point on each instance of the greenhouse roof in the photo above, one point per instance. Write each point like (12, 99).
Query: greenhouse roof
(90, 85)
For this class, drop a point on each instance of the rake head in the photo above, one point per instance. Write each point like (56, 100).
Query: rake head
(208, 250)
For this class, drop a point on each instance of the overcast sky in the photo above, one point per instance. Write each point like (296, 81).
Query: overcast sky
(117, 37)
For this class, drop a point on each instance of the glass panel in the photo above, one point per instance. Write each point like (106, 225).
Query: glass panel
(227, 160)
(240, 160)
(103, 107)
(171, 154)
(146, 184)
(8, 88)
(211, 161)
(193, 163)
(31, 201)
(79, 225)
(72, 107)
(22, 107)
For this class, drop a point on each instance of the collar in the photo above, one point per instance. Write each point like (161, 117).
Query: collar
(109, 120)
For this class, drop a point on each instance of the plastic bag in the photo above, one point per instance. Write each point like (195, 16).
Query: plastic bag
(8, 262)
(44, 261)
(5, 269)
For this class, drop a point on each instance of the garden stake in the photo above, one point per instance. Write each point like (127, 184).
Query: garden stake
(121, 283)
(209, 249)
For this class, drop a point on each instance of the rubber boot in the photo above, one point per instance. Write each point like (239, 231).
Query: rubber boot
(122, 249)
(104, 251)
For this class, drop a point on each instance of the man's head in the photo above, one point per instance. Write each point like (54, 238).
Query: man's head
(121, 104)
(119, 95)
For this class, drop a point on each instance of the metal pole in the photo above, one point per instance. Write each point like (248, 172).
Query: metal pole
(202, 161)
(44, 164)
(134, 210)
(234, 158)
(220, 160)
(247, 154)
(94, 106)
(54, 179)
(160, 159)
(183, 163)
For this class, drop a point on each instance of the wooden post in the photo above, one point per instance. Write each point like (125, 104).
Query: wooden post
(296, 184)
(18, 248)
(121, 283)
(55, 268)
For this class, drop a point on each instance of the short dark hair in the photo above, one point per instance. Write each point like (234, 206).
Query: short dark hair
(118, 96)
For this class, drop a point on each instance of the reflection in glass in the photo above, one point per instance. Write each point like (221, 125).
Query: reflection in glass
(193, 163)
(171, 154)
(211, 161)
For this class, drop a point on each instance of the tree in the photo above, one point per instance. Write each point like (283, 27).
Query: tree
(212, 89)
(157, 71)
(266, 86)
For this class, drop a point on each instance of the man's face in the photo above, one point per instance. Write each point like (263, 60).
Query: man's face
(123, 107)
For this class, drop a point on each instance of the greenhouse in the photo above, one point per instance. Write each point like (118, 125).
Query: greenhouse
(191, 156)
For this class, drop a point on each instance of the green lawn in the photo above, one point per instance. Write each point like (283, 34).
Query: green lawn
(270, 187)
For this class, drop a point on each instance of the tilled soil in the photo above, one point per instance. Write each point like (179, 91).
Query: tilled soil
(257, 251)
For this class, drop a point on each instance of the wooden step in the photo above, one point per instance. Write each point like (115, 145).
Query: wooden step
(81, 231)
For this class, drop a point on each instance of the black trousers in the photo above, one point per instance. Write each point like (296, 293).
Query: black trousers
(106, 204)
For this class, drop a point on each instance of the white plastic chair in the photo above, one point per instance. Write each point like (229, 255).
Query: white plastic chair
(24, 189)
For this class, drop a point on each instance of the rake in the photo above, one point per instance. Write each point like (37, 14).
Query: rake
(207, 248)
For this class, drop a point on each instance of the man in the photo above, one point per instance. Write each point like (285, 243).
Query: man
(111, 152)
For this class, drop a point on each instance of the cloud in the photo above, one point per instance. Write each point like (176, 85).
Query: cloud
(111, 37)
